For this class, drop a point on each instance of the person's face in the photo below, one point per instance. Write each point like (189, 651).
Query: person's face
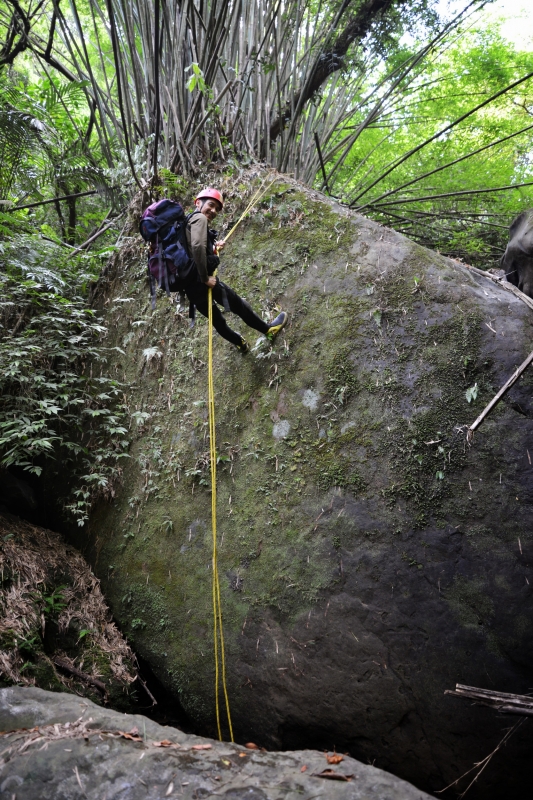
(209, 208)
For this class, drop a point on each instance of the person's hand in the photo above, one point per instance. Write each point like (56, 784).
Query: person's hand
(211, 282)
(220, 245)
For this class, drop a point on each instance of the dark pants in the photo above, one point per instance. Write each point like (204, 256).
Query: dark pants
(198, 293)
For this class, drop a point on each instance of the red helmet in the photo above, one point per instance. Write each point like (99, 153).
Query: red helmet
(214, 194)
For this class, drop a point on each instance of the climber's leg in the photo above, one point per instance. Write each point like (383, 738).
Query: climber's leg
(199, 299)
(240, 307)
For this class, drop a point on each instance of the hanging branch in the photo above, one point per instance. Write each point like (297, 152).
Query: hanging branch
(327, 63)
(317, 142)
(19, 25)
(448, 194)
(444, 130)
(446, 166)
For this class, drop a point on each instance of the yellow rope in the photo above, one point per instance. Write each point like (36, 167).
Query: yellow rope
(255, 199)
(218, 633)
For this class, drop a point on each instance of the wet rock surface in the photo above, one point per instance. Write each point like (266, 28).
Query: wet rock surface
(369, 559)
(75, 749)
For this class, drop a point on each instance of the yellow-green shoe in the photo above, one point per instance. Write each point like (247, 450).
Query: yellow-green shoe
(243, 347)
(277, 325)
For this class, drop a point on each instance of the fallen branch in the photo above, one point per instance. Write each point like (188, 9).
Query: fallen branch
(59, 662)
(509, 287)
(503, 702)
(496, 399)
(95, 236)
(146, 689)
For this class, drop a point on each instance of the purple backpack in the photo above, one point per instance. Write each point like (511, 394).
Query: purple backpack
(164, 226)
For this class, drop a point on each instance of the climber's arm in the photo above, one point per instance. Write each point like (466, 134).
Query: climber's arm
(198, 229)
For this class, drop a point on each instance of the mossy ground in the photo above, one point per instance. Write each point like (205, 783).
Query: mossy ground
(345, 440)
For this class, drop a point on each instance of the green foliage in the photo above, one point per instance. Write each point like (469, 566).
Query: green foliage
(197, 80)
(54, 410)
(471, 393)
(474, 155)
(54, 602)
(49, 148)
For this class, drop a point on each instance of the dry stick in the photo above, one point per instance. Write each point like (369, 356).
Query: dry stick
(79, 674)
(147, 690)
(503, 702)
(503, 283)
(496, 399)
(484, 762)
(494, 402)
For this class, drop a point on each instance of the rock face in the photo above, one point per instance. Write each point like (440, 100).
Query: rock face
(77, 749)
(369, 559)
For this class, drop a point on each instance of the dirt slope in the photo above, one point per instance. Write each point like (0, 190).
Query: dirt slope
(55, 627)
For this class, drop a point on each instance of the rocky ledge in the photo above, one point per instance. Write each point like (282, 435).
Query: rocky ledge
(59, 746)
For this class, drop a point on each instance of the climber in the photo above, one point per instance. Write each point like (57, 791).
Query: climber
(203, 249)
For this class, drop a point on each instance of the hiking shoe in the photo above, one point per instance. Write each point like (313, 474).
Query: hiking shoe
(277, 325)
(243, 347)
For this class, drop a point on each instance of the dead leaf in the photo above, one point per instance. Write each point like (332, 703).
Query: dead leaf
(226, 762)
(251, 746)
(132, 736)
(334, 759)
(170, 789)
(304, 768)
(334, 776)
(165, 743)
(201, 747)
(243, 755)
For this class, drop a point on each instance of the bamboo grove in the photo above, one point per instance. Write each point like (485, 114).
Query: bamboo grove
(314, 88)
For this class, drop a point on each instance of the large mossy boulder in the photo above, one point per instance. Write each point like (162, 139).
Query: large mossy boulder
(369, 558)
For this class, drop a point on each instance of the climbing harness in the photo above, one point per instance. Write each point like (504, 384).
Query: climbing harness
(218, 633)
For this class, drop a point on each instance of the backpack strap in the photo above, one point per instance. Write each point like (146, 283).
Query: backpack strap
(153, 290)
(192, 314)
